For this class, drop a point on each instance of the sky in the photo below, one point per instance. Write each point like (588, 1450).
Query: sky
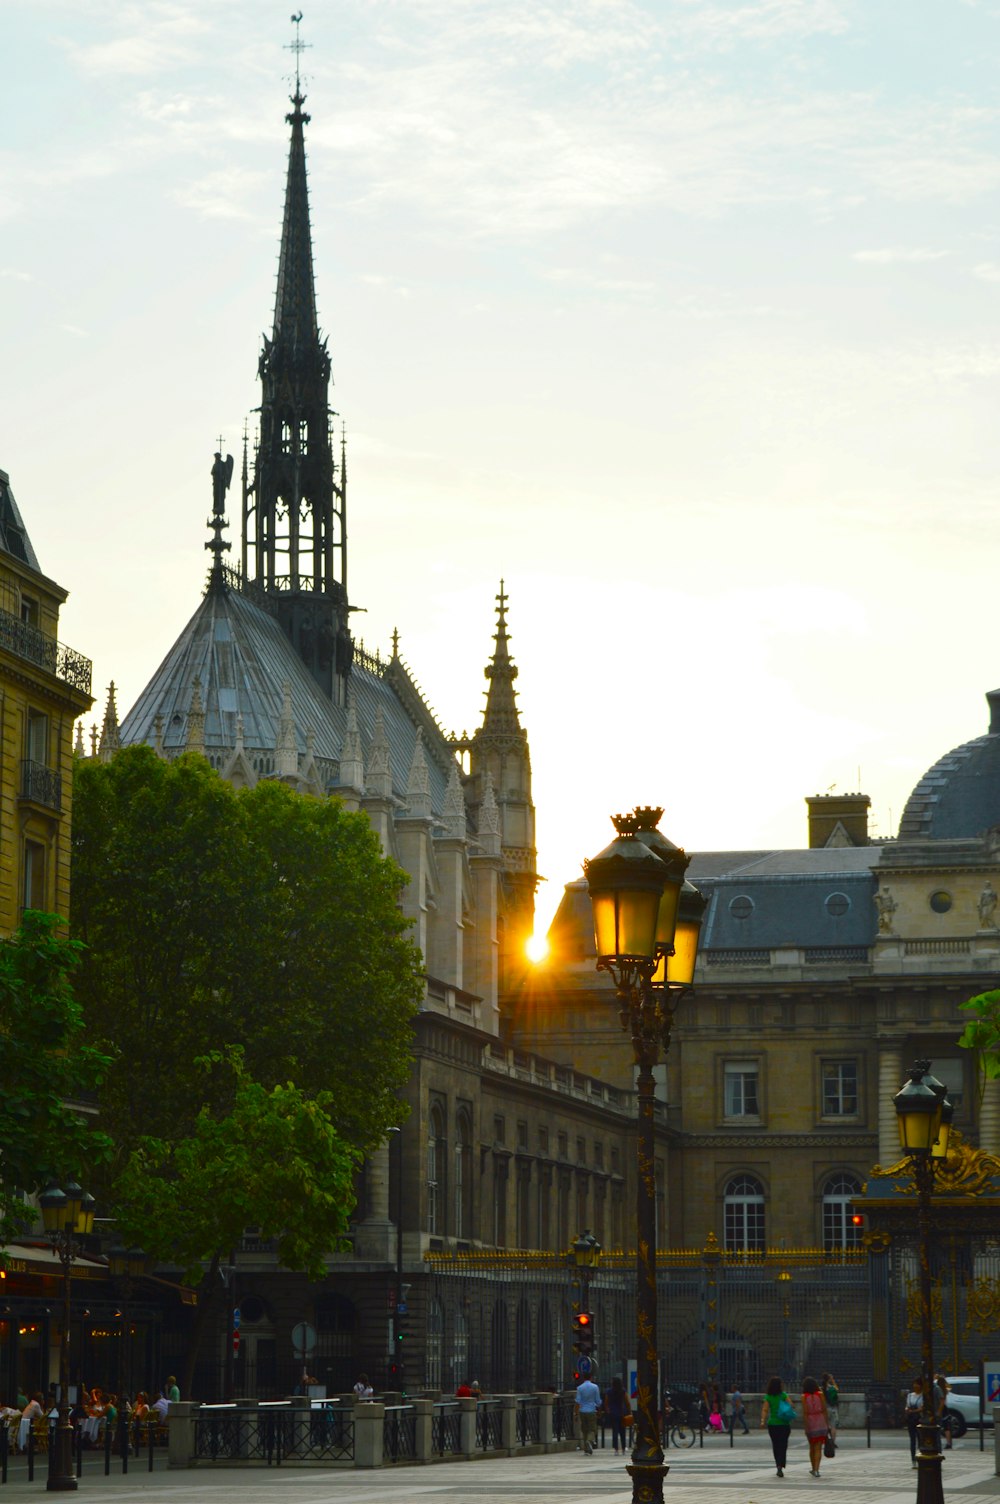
(681, 317)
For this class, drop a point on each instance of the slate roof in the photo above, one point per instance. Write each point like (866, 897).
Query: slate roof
(960, 795)
(14, 538)
(242, 659)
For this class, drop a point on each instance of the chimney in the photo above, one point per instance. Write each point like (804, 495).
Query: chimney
(838, 820)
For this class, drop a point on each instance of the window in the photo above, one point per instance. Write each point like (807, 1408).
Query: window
(500, 1202)
(581, 1151)
(840, 1088)
(463, 1177)
(563, 1143)
(437, 1158)
(599, 1156)
(33, 885)
(743, 1205)
(838, 1229)
(522, 1135)
(543, 1141)
(499, 1129)
(303, 436)
(36, 747)
(29, 611)
(741, 1094)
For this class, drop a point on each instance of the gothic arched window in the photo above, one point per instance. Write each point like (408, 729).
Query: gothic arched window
(743, 1202)
(463, 1176)
(437, 1159)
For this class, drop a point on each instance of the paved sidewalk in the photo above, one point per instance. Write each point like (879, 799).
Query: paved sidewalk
(714, 1474)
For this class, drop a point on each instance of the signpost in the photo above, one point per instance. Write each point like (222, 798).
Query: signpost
(303, 1339)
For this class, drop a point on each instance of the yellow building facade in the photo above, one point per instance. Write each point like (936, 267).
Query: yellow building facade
(44, 687)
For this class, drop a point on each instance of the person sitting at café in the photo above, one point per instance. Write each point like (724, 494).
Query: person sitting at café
(31, 1412)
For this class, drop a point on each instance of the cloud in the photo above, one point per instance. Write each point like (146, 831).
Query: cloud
(152, 38)
(232, 193)
(12, 274)
(890, 254)
(75, 330)
(987, 271)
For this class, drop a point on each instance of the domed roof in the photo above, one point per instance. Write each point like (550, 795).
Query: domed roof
(960, 795)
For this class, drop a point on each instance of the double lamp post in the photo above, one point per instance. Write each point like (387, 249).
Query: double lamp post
(647, 922)
(924, 1115)
(68, 1217)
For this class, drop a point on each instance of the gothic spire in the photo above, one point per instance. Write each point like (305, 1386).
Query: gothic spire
(295, 299)
(501, 718)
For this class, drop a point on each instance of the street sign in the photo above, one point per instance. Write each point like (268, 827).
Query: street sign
(303, 1339)
(236, 1341)
(402, 1308)
(584, 1366)
(236, 1318)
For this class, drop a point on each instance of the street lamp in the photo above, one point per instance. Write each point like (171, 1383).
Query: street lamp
(784, 1280)
(924, 1115)
(647, 921)
(68, 1215)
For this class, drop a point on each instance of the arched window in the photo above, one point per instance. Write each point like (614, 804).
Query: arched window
(435, 1343)
(523, 1375)
(463, 1177)
(838, 1229)
(744, 1215)
(437, 1159)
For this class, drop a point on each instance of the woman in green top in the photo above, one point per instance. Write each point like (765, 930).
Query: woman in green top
(832, 1396)
(777, 1420)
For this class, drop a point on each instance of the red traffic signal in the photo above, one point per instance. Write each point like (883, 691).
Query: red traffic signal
(583, 1332)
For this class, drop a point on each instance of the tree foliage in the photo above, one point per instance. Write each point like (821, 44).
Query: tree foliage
(273, 1159)
(259, 918)
(48, 1065)
(982, 1033)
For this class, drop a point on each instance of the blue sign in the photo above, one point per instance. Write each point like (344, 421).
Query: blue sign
(584, 1367)
(992, 1386)
(402, 1308)
(236, 1319)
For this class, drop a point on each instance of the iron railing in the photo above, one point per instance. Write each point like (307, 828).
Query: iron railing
(527, 1420)
(446, 1428)
(489, 1425)
(28, 642)
(274, 1434)
(41, 785)
(399, 1433)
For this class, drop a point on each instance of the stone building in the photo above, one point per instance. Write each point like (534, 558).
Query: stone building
(44, 687)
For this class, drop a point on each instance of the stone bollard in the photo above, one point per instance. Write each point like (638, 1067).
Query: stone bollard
(546, 1399)
(996, 1437)
(508, 1424)
(181, 1448)
(423, 1428)
(369, 1420)
(467, 1425)
(299, 1438)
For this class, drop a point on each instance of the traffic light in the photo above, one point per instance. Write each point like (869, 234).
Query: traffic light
(858, 1223)
(583, 1333)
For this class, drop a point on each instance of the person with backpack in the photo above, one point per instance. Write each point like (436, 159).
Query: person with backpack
(913, 1411)
(777, 1413)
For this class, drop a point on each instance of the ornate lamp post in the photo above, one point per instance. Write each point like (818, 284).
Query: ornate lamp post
(924, 1115)
(68, 1215)
(784, 1280)
(647, 921)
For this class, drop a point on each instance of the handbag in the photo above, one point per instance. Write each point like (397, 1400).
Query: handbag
(829, 1447)
(627, 1419)
(786, 1413)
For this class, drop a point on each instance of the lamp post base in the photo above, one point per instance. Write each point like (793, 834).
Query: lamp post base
(62, 1484)
(62, 1477)
(647, 1481)
(930, 1484)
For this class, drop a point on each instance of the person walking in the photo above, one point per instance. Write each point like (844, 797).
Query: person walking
(816, 1421)
(777, 1413)
(832, 1396)
(914, 1410)
(738, 1412)
(616, 1407)
(588, 1397)
(942, 1388)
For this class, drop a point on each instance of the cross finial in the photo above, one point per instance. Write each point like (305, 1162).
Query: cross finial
(395, 642)
(501, 601)
(298, 47)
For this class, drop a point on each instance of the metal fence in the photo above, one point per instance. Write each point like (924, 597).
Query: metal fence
(274, 1434)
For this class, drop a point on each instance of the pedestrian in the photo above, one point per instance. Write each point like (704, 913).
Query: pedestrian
(172, 1392)
(464, 1390)
(832, 1396)
(616, 1408)
(941, 1391)
(588, 1397)
(738, 1412)
(777, 1413)
(815, 1420)
(362, 1389)
(914, 1410)
(704, 1407)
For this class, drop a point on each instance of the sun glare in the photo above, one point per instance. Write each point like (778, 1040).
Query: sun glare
(537, 948)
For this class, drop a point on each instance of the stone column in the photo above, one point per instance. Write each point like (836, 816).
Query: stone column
(545, 1402)
(181, 1433)
(890, 1079)
(989, 1118)
(467, 1425)
(508, 1423)
(424, 1446)
(369, 1419)
(375, 1235)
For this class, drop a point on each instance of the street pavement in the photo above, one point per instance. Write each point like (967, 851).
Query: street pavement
(714, 1474)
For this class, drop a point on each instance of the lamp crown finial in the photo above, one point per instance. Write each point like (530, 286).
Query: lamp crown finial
(647, 816)
(625, 825)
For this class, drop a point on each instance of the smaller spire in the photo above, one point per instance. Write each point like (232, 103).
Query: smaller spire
(418, 784)
(286, 751)
(110, 740)
(196, 720)
(93, 739)
(489, 820)
(501, 717)
(378, 779)
(454, 806)
(78, 748)
(352, 766)
(222, 475)
(395, 642)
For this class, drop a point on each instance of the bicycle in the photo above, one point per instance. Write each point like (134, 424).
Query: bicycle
(682, 1433)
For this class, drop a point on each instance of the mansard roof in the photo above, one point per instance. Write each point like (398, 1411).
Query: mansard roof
(242, 660)
(14, 538)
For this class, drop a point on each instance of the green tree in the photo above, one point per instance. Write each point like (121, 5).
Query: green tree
(48, 1065)
(259, 918)
(982, 1034)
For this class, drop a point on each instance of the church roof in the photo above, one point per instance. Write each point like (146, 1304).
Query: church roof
(14, 538)
(960, 795)
(242, 660)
